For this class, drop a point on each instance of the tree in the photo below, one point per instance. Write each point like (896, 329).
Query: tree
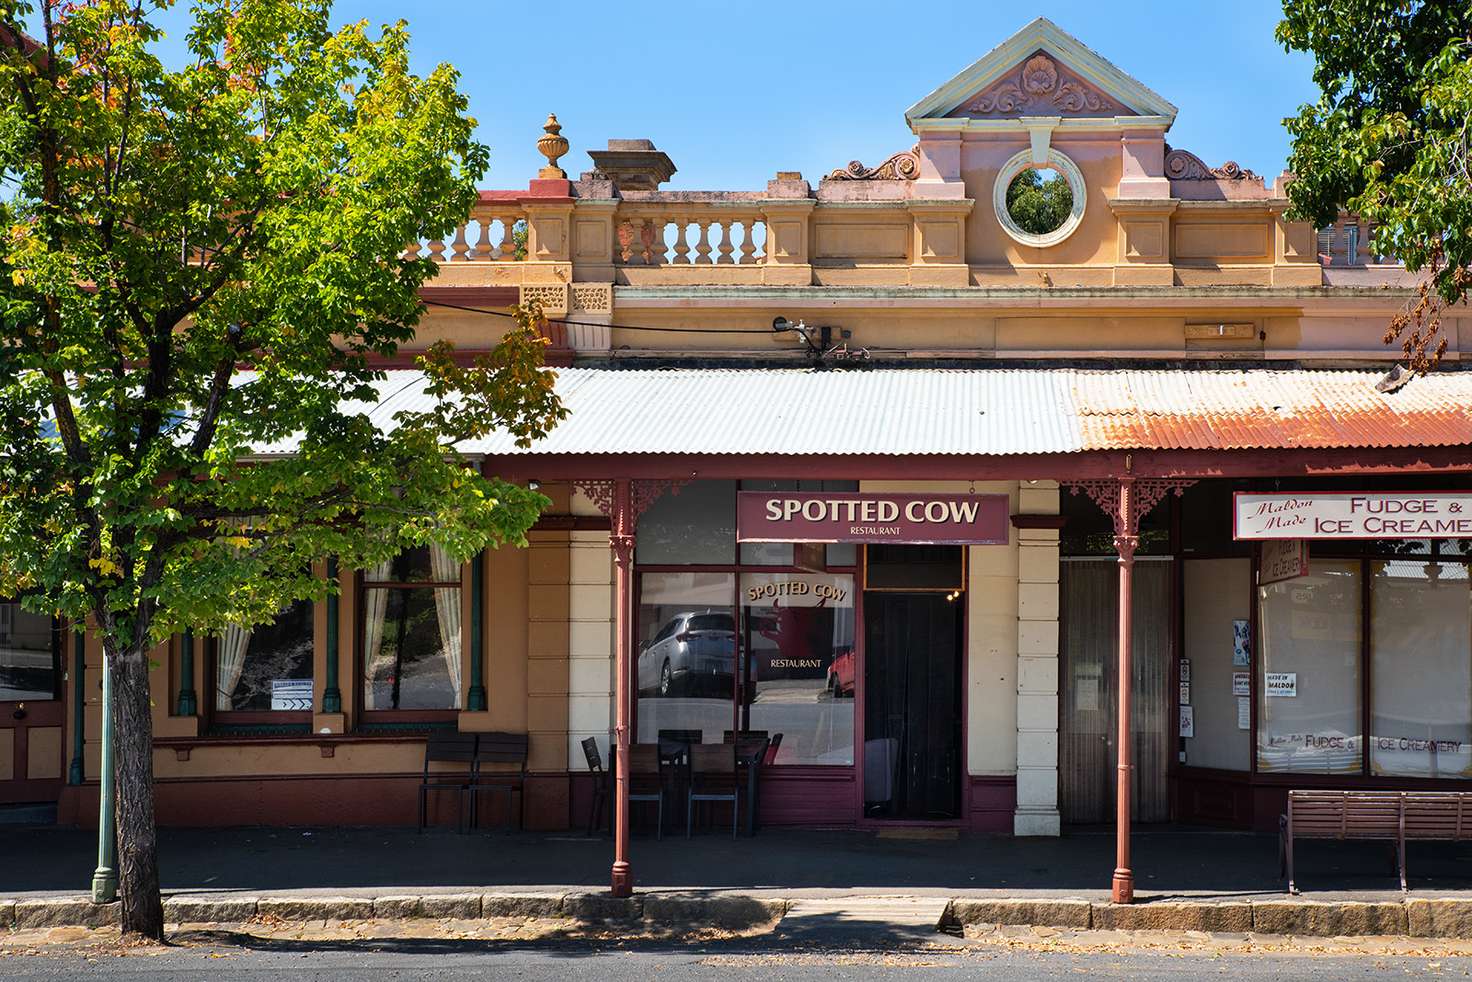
(1390, 140)
(1039, 206)
(203, 262)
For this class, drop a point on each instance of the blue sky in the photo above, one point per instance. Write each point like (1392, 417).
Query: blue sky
(736, 91)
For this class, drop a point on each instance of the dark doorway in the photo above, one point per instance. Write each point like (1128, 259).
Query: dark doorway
(912, 706)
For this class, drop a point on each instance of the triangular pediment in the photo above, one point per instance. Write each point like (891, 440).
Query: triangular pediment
(1041, 70)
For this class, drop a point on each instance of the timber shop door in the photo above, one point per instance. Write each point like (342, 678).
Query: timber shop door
(31, 711)
(1087, 723)
(912, 706)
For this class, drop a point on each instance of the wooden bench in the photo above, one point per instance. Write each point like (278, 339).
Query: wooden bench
(1385, 816)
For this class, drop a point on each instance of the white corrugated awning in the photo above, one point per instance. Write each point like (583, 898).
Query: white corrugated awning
(927, 411)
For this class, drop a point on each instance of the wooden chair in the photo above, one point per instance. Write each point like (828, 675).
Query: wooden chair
(501, 748)
(646, 780)
(449, 748)
(713, 778)
(600, 782)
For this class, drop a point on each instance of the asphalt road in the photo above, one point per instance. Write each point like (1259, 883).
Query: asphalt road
(404, 961)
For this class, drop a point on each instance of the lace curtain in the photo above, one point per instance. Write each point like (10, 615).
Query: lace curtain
(446, 568)
(375, 609)
(234, 643)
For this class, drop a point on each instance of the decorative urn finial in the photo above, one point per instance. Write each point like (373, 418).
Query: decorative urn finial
(552, 145)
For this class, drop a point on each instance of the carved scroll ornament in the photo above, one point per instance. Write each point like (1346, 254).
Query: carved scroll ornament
(1183, 165)
(1041, 87)
(903, 166)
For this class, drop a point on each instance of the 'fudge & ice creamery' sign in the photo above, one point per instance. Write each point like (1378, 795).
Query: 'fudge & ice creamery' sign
(1352, 515)
(838, 516)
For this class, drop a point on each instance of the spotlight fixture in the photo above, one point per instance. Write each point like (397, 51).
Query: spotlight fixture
(534, 485)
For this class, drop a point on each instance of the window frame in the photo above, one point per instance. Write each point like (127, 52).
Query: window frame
(736, 570)
(426, 719)
(244, 718)
(1364, 553)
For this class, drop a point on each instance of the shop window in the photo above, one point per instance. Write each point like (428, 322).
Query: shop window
(1206, 520)
(1421, 669)
(696, 526)
(686, 654)
(798, 664)
(1309, 709)
(410, 624)
(29, 654)
(268, 669)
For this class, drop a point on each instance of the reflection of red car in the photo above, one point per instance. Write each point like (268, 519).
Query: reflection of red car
(841, 673)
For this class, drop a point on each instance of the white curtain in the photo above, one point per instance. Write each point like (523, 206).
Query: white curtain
(447, 607)
(233, 645)
(375, 608)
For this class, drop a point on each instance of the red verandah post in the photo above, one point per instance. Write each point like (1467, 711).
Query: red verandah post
(621, 538)
(1125, 540)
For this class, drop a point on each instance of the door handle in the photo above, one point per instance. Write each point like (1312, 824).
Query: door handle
(20, 712)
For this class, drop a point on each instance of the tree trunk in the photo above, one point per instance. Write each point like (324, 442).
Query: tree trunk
(137, 837)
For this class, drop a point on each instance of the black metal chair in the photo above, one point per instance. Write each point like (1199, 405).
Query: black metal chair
(501, 748)
(600, 782)
(713, 779)
(646, 780)
(449, 748)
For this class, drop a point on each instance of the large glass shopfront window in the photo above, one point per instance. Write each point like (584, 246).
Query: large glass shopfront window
(1421, 667)
(1405, 618)
(1309, 716)
(735, 639)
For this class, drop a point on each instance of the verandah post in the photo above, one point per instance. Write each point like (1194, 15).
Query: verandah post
(105, 877)
(1125, 541)
(331, 693)
(621, 538)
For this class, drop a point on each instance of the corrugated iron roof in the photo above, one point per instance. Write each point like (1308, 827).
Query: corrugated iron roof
(902, 411)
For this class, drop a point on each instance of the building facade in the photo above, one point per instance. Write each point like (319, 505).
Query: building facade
(867, 465)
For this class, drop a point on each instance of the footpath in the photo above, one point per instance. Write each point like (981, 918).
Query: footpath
(880, 887)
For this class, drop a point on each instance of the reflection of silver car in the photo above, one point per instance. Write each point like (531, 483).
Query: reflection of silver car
(694, 651)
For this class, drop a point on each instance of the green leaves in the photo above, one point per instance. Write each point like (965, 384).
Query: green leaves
(1389, 140)
(203, 261)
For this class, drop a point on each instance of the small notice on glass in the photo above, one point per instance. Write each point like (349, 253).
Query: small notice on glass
(1244, 713)
(1280, 685)
(1185, 694)
(1185, 675)
(291, 693)
(1241, 643)
(1241, 684)
(1188, 721)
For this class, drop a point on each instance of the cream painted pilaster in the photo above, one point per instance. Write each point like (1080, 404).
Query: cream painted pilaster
(590, 644)
(1037, 666)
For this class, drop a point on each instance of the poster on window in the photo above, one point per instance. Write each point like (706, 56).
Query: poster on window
(1244, 713)
(1188, 721)
(1241, 684)
(1241, 643)
(1281, 685)
(291, 694)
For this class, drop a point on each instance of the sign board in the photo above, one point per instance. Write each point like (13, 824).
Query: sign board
(291, 694)
(1282, 559)
(843, 516)
(1281, 685)
(1352, 515)
(1241, 684)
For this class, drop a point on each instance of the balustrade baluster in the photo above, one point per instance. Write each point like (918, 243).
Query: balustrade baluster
(702, 248)
(648, 231)
(748, 243)
(411, 251)
(483, 241)
(682, 247)
(459, 249)
(508, 238)
(727, 248)
(437, 250)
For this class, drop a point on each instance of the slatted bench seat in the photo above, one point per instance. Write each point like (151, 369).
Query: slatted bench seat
(1386, 816)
